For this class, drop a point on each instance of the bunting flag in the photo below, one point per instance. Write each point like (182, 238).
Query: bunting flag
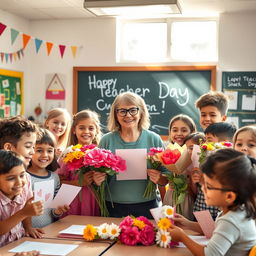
(38, 44)
(74, 49)
(2, 28)
(49, 47)
(62, 50)
(14, 34)
(26, 39)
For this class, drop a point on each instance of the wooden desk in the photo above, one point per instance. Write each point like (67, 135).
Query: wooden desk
(84, 248)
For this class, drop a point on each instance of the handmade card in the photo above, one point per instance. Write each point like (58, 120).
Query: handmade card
(206, 222)
(136, 163)
(195, 156)
(65, 195)
(44, 191)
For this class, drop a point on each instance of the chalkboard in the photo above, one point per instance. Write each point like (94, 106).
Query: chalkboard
(167, 91)
(11, 93)
(241, 90)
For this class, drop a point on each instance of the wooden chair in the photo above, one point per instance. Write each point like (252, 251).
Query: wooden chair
(253, 251)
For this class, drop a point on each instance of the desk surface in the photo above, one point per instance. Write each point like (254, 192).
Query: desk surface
(94, 248)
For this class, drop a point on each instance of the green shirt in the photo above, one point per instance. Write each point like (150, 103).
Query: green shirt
(128, 191)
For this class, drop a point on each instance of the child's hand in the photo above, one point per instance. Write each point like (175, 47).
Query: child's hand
(88, 178)
(33, 209)
(34, 232)
(176, 233)
(31, 253)
(154, 175)
(98, 177)
(61, 209)
(181, 221)
(196, 176)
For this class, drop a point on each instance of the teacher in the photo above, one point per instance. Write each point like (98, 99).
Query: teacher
(128, 123)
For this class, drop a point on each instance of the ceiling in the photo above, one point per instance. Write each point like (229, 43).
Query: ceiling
(73, 9)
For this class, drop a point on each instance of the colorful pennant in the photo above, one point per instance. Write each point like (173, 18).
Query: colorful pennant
(2, 28)
(38, 43)
(14, 34)
(62, 50)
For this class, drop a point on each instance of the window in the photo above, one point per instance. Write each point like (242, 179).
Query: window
(167, 40)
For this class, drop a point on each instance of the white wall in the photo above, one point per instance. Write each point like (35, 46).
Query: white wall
(237, 50)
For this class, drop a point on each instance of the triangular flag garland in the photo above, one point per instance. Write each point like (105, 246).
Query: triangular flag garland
(11, 56)
(38, 43)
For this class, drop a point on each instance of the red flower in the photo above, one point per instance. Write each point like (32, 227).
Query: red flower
(170, 156)
(147, 235)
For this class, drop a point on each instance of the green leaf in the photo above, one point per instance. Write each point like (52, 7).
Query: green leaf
(181, 198)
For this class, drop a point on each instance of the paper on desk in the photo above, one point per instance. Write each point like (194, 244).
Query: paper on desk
(199, 239)
(65, 195)
(45, 248)
(136, 163)
(206, 222)
(74, 230)
(44, 191)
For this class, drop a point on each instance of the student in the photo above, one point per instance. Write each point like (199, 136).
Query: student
(18, 134)
(220, 132)
(42, 168)
(85, 130)
(128, 123)
(15, 197)
(179, 127)
(213, 108)
(229, 183)
(58, 122)
(245, 140)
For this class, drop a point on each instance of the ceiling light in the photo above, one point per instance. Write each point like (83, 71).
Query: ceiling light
(132, 7)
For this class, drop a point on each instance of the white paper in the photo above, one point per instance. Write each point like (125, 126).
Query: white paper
(44, 191)
(74, 230)
(249, 102)
(136, 163)
(45, 248)
(18, 88)
(65, 195)
(5, 83)
(233, 120)
(18, 112)
(195, 156)
(232, 96)
(157, 213)
(199, 239)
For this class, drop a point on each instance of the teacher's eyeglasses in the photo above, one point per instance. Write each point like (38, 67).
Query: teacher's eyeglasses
(123, 112)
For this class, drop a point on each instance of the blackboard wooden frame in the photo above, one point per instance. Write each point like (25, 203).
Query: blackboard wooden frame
(76, 71)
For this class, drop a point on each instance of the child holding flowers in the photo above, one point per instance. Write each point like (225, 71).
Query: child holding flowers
(230, 184)
(85, 130)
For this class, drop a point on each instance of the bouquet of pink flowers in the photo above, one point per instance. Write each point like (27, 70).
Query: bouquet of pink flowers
(155, 163)
(136, 231)
(86, 158)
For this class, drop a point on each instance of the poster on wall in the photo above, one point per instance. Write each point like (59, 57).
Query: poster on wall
(240, 87)
(55, 93)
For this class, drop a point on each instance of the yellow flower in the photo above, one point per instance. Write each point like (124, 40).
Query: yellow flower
(89, 232)
(77, 146)
(73, 155)
(210, 147)
(164, 223)
(139, 223)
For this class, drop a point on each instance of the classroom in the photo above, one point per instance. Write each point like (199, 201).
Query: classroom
(59, 54)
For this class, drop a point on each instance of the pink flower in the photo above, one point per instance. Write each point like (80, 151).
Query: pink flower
(75, 164)
(146, 221)
(147, 235)
(126, 222)
(153, 151)
(130, 236)
(170, 156)
(227, 144)
(87, 147)
(95, 158)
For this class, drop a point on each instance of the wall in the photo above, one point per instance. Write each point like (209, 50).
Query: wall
(97, 36)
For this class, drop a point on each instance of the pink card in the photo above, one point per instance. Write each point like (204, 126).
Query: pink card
(195, 156)
(44, 191)
(206, 222)
(136, 163)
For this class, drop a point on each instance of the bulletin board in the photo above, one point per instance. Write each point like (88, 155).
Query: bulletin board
(11, 93)
(240, 87)
(167, 90)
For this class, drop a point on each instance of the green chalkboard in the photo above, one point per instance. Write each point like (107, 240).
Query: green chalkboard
(240, 87)
(11, 93)
(167, 91)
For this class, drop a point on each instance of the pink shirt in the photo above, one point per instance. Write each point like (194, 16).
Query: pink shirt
(9, 207)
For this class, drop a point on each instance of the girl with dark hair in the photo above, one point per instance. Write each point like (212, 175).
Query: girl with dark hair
(230, 184)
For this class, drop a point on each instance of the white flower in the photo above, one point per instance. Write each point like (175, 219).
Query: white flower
(163, 238)
(168, 211)
(103, 231)
(113, 231)
(66, 151)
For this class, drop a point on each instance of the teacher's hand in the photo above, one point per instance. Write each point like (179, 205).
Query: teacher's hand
(98, 177)
(154, 175)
